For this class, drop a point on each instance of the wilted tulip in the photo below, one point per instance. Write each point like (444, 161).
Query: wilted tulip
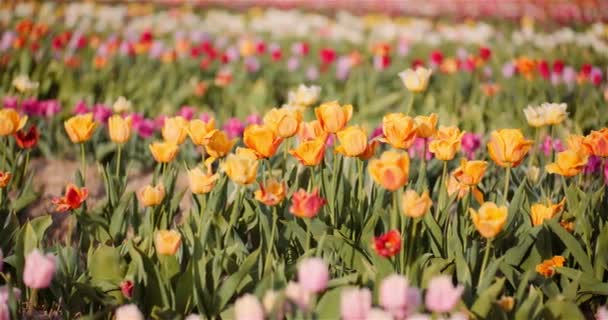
(333, 117)
(163, 152)
(398, 130)
(39, 270)
(490, 219)
(120, 129)
(150, 196)
(80, 128)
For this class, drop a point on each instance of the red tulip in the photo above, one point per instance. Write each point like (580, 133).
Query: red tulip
(306, 205)
(29, 139)
(126, 287)
(388, 244)
(73, 198)
(436, 57)
(543, 69)
(558, 66)
(485, 53)
(327, 55)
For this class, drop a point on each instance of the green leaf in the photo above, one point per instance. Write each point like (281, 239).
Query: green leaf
(229, 287)
(329, 304)
(487, 299)
(572, 245)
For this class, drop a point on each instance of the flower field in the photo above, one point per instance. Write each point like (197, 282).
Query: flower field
(180, 163)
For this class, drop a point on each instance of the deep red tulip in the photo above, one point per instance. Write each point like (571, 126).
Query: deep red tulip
(485, 53)
(29, 139)
(388, 244)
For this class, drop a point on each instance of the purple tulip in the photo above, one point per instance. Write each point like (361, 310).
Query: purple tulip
(39, 270)
(233, 128)
(442, 296)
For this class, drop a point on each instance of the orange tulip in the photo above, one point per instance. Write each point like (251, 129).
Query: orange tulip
(575, 142)
(490, 219)
(398, 130)
(163, 152)
(80, 128)
(306, 205)
(568, 163)
(390, 171)
(596, 143)
(150, 196)
(283, 121)
(508, 147)
(353, 141)
(72, 200)
(414, 205)
(333, 117)
(272, 193)
(262, 140)
(5, 178)
(167, 242)
(446, 143)
(309, 153)
(540, 212)
(119, 128)
(241, 167)
(10, 122)
(312, 130)
(175, 130)
(426, 125)
(202, 182)
(470, 173)
(217, 144)
(547, 267)
(199, 129)
(454, 186)
(370, 151)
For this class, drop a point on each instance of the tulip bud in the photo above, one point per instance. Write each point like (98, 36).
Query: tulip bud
(80, 128)
(414, 205)
(120, 129)
(167, 242)
(152, 196)
(163, 152)
(38, 270)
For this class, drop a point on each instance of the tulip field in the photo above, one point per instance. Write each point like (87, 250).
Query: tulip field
(183, 162)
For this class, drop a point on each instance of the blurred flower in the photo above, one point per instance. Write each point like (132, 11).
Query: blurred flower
(241, 167)
(10, 122)
(506, 303)
(309, 153)
(426, 125)
(508, 70)
(602, 313)
(568, 163)
(569, 75)
(416, 80)
(378, 314)
(5, 178)
(313, 274)
(122, 105)
(23, 83)
(312, 73)
(490, 219)
(283, 121)
(128, 312)
(526, 67)
(186, 112)
(397, 297)
(293, 63)
(49, 108)
(540, 212)
(80, 128)
(355, 303)
(298, 295)
(446, 143)
(547, 267)
(119, 128)
(388, 244)
(167, 242)
(419, 148)
(39, 270)
(333, 117)
(175, 130)
(532, 174)
(81, 108)
(201, 182)
(271, 193)
(252, 64)
(126, 287)
(101, 113)
(248, 307)
(414, 205)
(163, 152)
(390, 171)
(262, 140)
(254, 118)
(306, 205)
(10, 102)
(398, 130)
(470, 173)
(27, 139)
(549, 145)
(596, 143)
(490, 89)
(151, 196)
(199, 130)
(311, 130)
(353, 141)
(233, 127)
(441, 295)
(508, 147)
(72, 200)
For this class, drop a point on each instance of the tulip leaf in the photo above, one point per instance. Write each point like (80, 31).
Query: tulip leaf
(572, 245)
(486, 300)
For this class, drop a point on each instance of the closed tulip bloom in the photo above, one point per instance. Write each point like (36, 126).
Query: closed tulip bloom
(5, 178)
(175, 130)
(333, 117)
(285, 122)
(508, 147)
(122, 105)
(313, 274)
(541, 212)
(446, 143)
(262, 140)
(398, 130)
(568, 163)
(28, 139)
(306, 205)
(167, 242)
(355, 303)
(80, 128)
(248, 307)
(199, 129)
(120, 129)
(72, 200)
(164, 152)
(353, 141)
(309, 153)
(470, 172)
(414, 205)
(217, 143)
(547, 267)
(596, 143)
(39, 270)
(271, 193)
(10, 122)
(150, 196)
(388, 244)
(490, 219)
(426, 125)
(416, 80)
(390, 171)
(298, 295)
(202, 182)
(128, 312)
(397, 297)
(312, 130)
(441, 295)
(241, 167)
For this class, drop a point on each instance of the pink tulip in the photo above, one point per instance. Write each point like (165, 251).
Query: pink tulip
(355, 303)
(9, 102)
(101, 113)
(248, 307)
(81, 108)
(254, 118)
(129, 312)
(39, 270)
(470, 144)
(4, 294)
(4, 311)
(397, 297)
(205, 116)
(234, 128)
(442, 296)
(187, 112)
(313, 274)
(602, 313)
(298, 295)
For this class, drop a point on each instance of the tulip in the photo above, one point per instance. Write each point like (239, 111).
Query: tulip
(128, 312)
(414, 205)
(5, 178)
(217, 144)
(355, 304)
(29, 139)
(120, 129)
(390, 171)
(333, 117)
(398, 130)
(72, 200)
(122, 105)
(150, 196)
(163, 152)
(534, 116)
(596, 143)
(262, 140)
(353, 141)
(39, 270)
(312, 130)
(233, 127)
(23, 83)
(490, 219)
(306, 205)
(298, 295)
(454, 186)
(470, 173)
(248, 307)
(568, 163)
(313, 274)
(540, 212)
(388, 244)
(199, 129)
(126, 288)
(416, 80)
(271, 193)
(80, 128)
(284, 122)
(446, 143)
(167, 242)
(602, 312)
(304, 96)
(426, 125)
(470, 143)
(201, 182)
(547, 267)
(441, 295)
(241, 167)
(175, 130)
(10, 122)
(506, 303)
(554, 113)
(309, 153)
(397, 297)
(508, 147)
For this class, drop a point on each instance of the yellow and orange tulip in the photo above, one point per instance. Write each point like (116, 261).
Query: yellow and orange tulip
(261, 139)
(508, 147)
(333, 117)
(80, 128)
(490, 219)
(353, 141)
(10, 122)
(398, 130)
(309, 153)
(119, 128)
(391, 171)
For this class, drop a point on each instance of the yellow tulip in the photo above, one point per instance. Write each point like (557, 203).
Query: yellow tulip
(309, 153)
(568, 163)
(390, 171)
(150, 196)
(80, 128)
(333, 117)
(398, 130)
(120, 129)
(311, 130)
(540, 212)
(199, 129)
(217, 143)
(416, 80)
(470, 172)
(426, 125)
(10, 122)
(490, 219)
(508, 147)
(353, 141)
(446, 143)
(201, 182)
(283, 121)
(163, 152)
(272, 193)
(534, 116)
(167, 242)
(175, 130)
(414, 205)
(241, 167)
(262, 140)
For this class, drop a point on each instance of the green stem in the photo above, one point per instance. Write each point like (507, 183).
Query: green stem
(308, 234)
(484, 263)
(361, 178)
(410, 104)
(33, 301)
(507, 178)
(118, 157)
(405, 247)
(411, 248)
(271, 243)
(334, 182)
(394, 224)
(311, 181)
(83, 163)
(4, 152)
